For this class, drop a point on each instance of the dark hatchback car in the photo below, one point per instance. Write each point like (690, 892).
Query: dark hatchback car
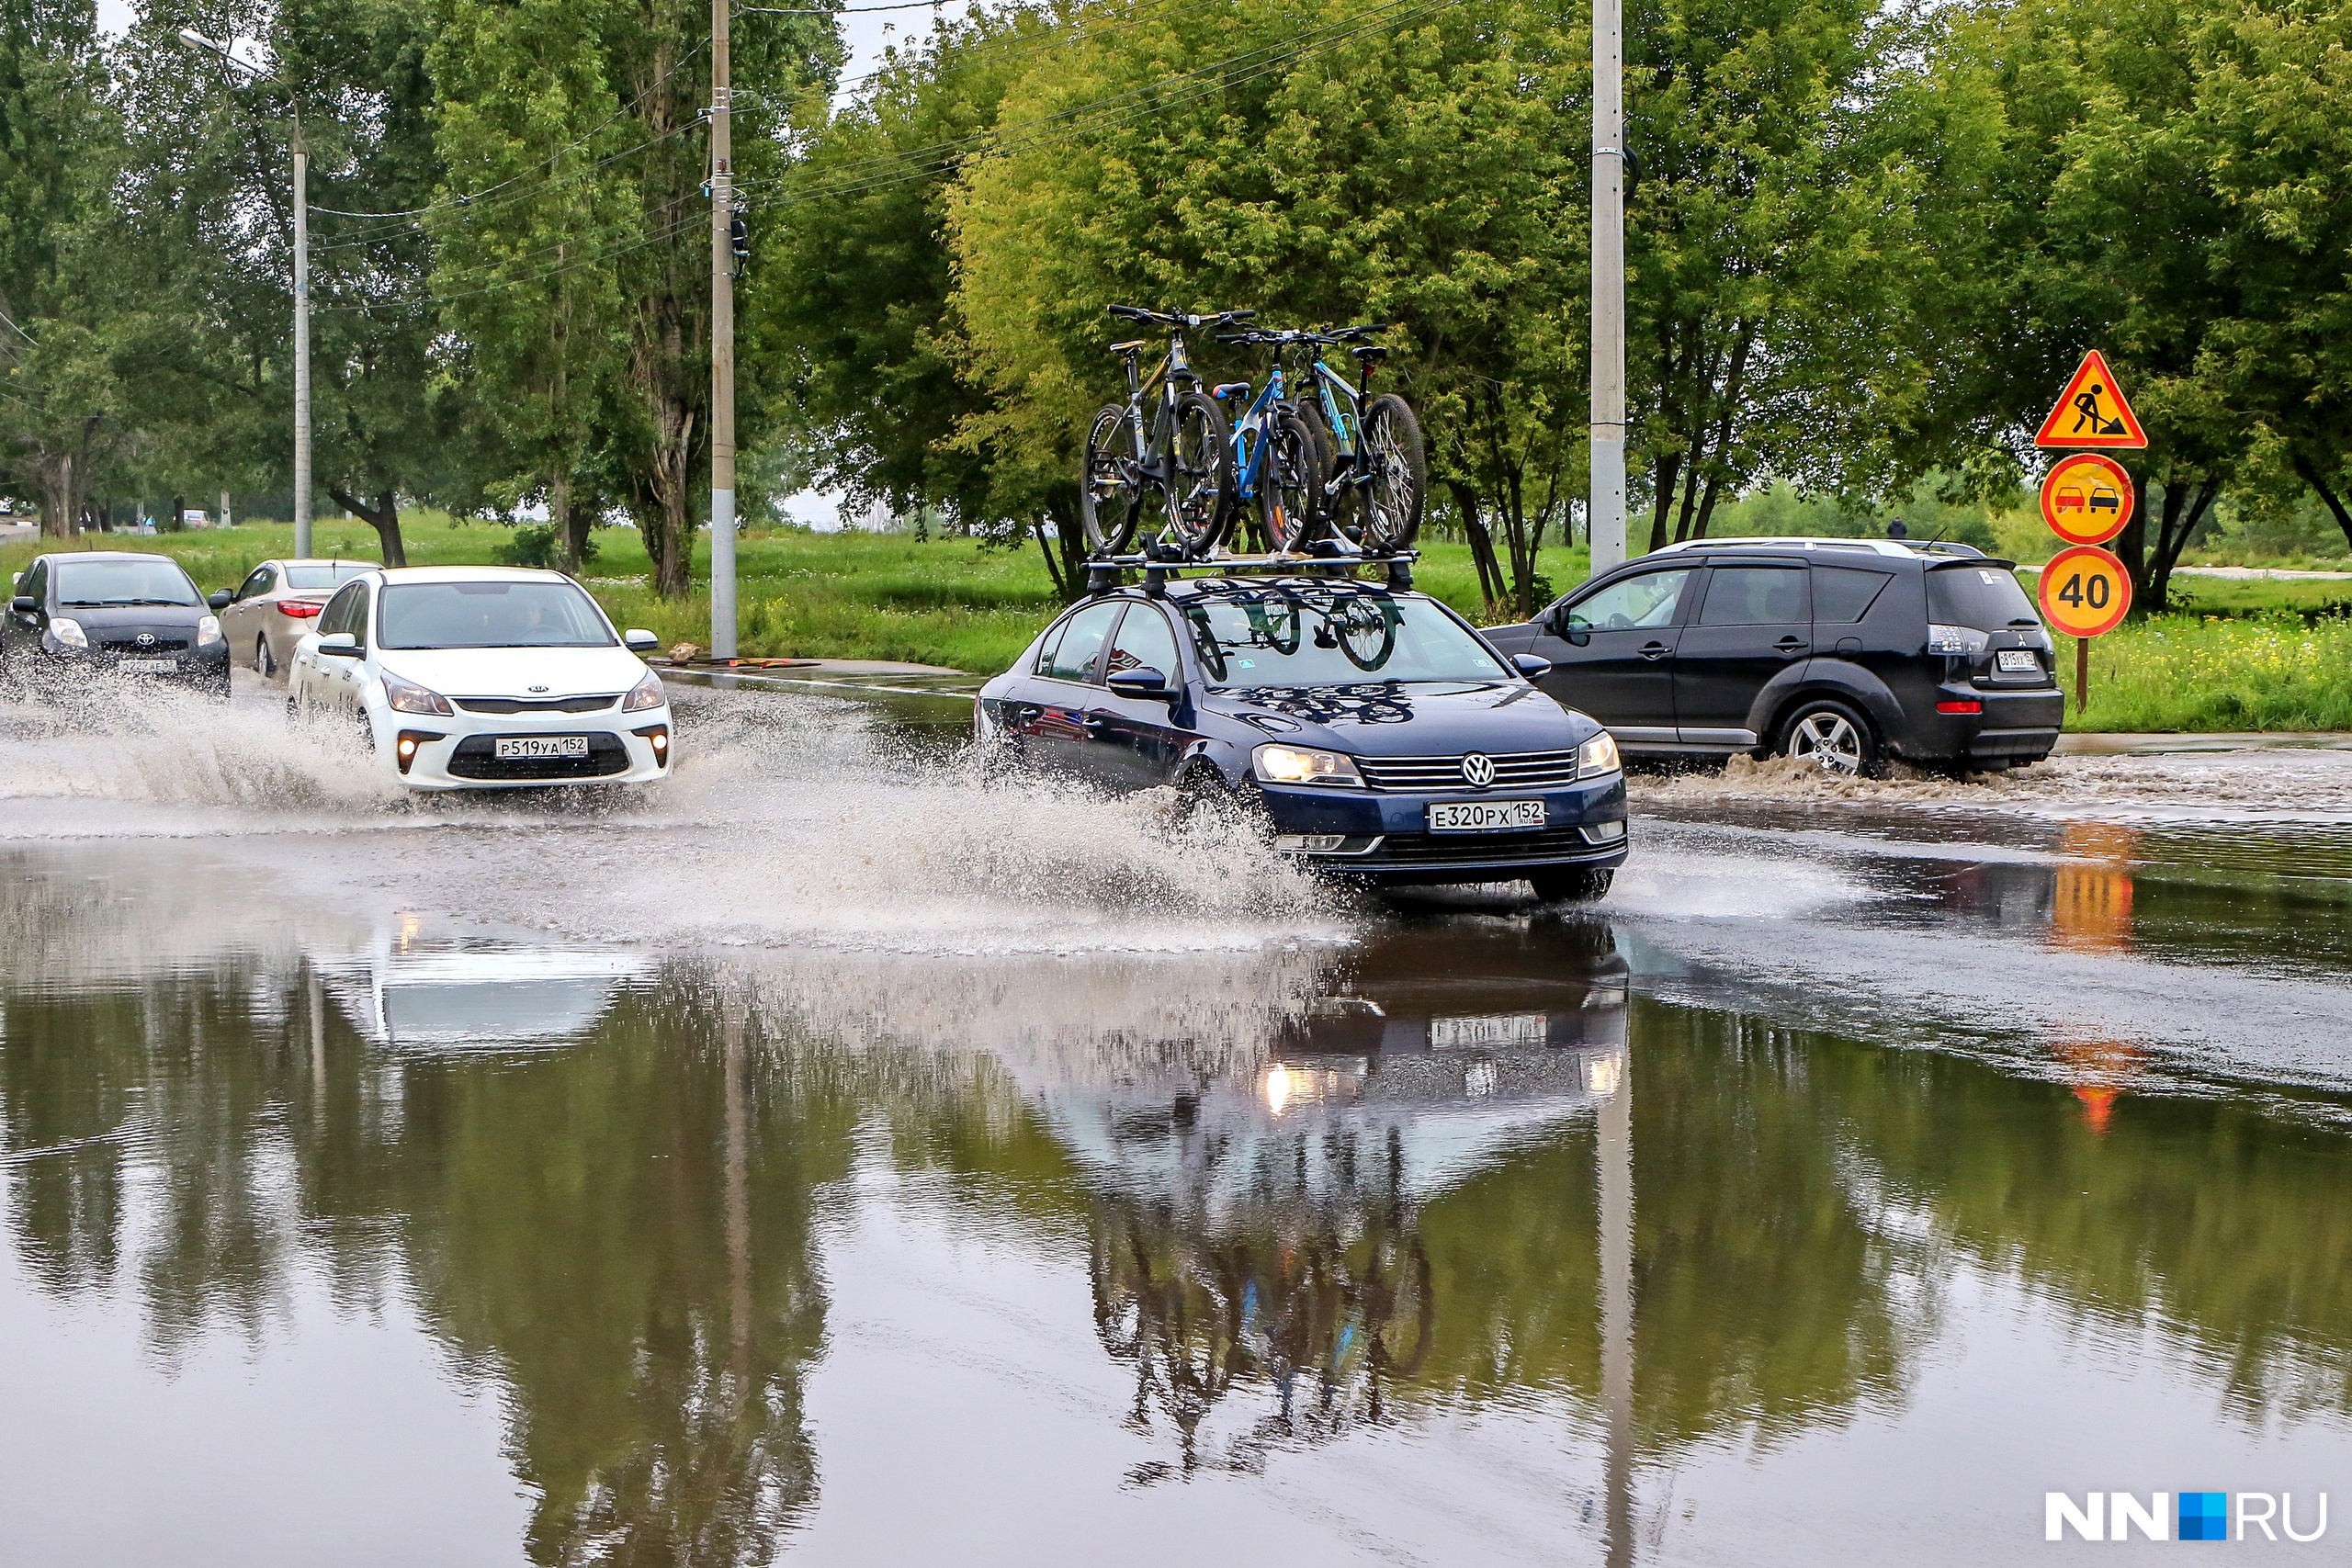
(1382, 737)
(105, 609)
(1833, 652)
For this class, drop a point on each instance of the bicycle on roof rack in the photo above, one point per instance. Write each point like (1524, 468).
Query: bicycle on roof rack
(1377, 480)
(1278, 460)
(1173, 461)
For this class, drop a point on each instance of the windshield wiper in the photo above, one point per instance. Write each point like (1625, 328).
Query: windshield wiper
(118, 603)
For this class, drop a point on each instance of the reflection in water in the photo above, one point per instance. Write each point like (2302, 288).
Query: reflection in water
(2092, 911)
(1406, 1193)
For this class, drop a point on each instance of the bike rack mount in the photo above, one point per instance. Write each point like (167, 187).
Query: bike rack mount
(1157, 564)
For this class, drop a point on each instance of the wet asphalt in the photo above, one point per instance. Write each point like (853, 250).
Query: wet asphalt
(849, 1155)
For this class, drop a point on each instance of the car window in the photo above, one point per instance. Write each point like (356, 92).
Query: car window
(310, 579)
(500, 614)
(1756, 596)
(339, 615)
(258, 583)
(1083, 635)
(1985, 597)
(1843, 595)
(1304, 636)
(35, 586)
(97, 582)
(1644, 601)
(1144, 643)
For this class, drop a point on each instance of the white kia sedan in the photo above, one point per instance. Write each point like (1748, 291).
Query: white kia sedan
(482, 677)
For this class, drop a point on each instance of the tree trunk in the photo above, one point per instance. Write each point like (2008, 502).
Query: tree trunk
(58, 502)
(2309, 470)
(1063, 550)
(1669, 467)
(179, 516)
(1492, 585)
(2180, 523)
(384, 517)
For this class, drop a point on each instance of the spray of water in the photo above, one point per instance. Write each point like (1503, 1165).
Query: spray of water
(791, 820)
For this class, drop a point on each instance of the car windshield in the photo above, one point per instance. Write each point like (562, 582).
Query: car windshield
(1279, 637)
(1986, 598)
(489, 614)
(124, 582)
(303, 579)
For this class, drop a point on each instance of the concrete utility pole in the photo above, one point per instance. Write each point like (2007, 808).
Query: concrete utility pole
(1605, 511)
(301, 287)
(722, 347)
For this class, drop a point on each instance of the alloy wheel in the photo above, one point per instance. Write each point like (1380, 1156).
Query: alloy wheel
(1827, 740)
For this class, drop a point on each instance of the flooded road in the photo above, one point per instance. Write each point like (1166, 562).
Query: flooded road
(844, 1154)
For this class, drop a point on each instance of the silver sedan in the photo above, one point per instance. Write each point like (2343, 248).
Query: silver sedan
(272, 608)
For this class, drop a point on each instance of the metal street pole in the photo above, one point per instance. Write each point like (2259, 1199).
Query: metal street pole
(1605, 510)
(301, 339)
(722, 348)
(302, 285)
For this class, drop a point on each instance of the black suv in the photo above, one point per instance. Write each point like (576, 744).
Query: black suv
(1837, 651)
(90, 610)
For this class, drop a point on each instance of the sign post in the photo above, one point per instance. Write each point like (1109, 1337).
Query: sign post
(2087, 500)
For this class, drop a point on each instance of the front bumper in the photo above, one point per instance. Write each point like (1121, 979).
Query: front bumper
(207, 668)
(453, 752)
(1384, 836)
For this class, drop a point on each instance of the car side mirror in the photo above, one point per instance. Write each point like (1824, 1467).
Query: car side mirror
(1531, 666)
(219, 601)
(23, 605)
(636, 639)
(340, 645)
(1141, 683)
(1569, 630)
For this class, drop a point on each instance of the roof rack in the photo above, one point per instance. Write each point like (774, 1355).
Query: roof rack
(1332, 556)
(1909, 549)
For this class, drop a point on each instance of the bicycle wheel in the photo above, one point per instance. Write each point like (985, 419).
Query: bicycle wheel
(1200, 474)
(1289, 494)
(1399, 473)
(1335, 506)
(1110, 498)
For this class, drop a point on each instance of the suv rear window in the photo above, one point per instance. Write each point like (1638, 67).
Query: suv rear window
(1986, 598)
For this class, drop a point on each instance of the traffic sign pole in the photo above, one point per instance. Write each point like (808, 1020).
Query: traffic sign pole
(2082, 674)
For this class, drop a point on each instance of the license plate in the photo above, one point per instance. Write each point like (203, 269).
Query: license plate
(1489, 1029)
(150, 666)
(2022, 660)
(1485, 815)
(526, 745)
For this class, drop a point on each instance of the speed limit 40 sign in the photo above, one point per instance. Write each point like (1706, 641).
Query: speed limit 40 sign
(2085, 591)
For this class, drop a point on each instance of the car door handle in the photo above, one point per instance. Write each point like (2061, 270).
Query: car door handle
(1792, 646)
(1092, 723)
(1654, 651)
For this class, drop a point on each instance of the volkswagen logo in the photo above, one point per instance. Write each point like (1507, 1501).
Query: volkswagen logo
(146, 640)
(534, 688)
(1477, 770)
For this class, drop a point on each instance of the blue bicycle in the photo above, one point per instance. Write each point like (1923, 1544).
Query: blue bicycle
(1278, 463)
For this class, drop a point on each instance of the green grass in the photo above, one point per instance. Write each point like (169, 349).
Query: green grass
(2187, 673)
(850, 595)
(2252, 654)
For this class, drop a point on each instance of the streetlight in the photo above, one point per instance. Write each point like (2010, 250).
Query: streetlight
(1605, 508)
(301, 287)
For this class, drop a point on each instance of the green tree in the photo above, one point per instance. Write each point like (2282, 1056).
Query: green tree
(61, 391)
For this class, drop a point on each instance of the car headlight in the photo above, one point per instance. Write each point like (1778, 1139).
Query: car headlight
(646, 694)
(207, 631)
(402, 696)
(1597, 756)
(1956, 640)
(69, 634)
(1290, 765)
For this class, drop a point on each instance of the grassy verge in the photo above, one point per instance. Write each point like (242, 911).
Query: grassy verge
(2238, 655)
(848, 595)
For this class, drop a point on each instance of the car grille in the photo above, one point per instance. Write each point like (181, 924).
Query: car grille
(526, 704)
(128, 648)
(1519, 770)
(1489, 849)
(476, 757)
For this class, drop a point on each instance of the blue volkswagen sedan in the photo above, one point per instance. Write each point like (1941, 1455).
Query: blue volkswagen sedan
(1378, 734)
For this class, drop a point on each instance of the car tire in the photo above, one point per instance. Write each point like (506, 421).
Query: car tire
(1831, 736)
(263, 662)
(1572, 883)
